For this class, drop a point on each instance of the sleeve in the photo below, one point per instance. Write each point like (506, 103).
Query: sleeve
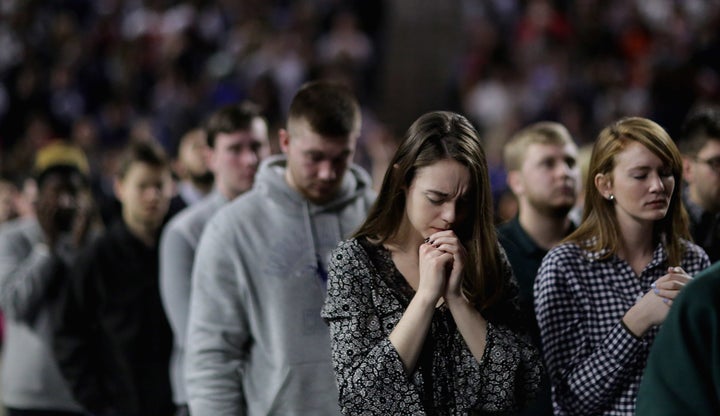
(75, 341)
(683, 371)
(584, 377)
(510, 369)
(370, 375)
(176, 263)
(218, 332)
(28, 275)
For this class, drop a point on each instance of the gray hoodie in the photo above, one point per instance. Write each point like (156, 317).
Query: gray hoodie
(256, 342)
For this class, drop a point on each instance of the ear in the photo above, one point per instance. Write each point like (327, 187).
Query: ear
(284, 140)
(603, 184)
(688, 169)
(515, 182)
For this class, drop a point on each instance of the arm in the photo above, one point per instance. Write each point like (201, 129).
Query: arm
(218, 332)
(176, 263)
(28, 272)
(370, 373)
(75, 340)
(585, 378)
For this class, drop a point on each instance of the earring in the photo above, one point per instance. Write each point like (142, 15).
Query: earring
(611, 197)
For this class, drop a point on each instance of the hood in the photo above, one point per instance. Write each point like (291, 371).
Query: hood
(271, 179)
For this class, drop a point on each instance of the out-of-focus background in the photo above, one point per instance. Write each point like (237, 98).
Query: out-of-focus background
(100, 72)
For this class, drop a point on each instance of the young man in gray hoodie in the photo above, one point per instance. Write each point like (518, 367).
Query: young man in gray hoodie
(256, 342)
(237, 141)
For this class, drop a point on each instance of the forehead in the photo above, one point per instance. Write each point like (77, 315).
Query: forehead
(535, 151)
(447, 176)
(141, 171)
(239, 137)
(636, 154)
(304, 138)
(710, 149)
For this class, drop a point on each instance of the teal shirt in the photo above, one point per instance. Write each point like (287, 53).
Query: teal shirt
(682, 376)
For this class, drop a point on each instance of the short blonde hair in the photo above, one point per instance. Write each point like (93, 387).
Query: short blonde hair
(544, 132)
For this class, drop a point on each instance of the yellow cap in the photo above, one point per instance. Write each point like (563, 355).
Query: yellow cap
(60, 153)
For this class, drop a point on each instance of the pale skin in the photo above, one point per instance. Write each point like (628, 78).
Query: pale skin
(434, 268)
(641, 187)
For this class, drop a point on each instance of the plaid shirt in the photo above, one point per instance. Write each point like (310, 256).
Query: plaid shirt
(595, 363)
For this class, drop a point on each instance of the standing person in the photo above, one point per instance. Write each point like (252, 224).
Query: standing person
(256, 343)
(238, 140)
(195, 176)
(421, 301)
(682, 376)
(601, 294)
(113, 341)
(35, 254)
(543, 175)
(700, 146)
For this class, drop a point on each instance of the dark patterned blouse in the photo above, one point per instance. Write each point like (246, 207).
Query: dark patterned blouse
(367, 296)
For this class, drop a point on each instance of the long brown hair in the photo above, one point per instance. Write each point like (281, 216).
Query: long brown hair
(599, 229)
(433, 137)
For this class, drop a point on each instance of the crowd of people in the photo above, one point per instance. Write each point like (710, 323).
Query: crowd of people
(206, 215)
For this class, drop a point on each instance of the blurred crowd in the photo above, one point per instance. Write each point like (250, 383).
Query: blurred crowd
(101, 73)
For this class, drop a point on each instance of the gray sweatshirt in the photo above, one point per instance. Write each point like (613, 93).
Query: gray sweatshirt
(256, 342)
(30, 281)
(177, 251)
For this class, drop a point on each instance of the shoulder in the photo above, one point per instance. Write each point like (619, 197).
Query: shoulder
(348, 250)
(192, 219)
(566, 253)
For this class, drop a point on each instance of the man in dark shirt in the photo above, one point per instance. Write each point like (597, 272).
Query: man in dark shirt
(543, 174)
(700, 146)
(113, 340)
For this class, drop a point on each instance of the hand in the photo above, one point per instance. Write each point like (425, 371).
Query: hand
(670, 285)
(653, 307)
(448, 242)
(434, 265)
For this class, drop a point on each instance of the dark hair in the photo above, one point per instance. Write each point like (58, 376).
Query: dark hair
(599, 228)
(434, 137)
(229, 119)
(701, 125)
(141, 151)
(330, 109)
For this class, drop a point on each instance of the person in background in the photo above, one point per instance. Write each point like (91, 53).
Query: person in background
(421, 301)
(237, 140)
(112, 340)
(601, 294)
(35, 255)
(191, 167)
(256, 343)
(700, 145)
(543, 175)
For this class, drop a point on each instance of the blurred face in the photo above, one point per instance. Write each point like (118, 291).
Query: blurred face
(8, 193)
(641, 184)
(316, 165)
(236, 157)
(192, 155)
(436, 198)
(548, 180)
(704, 180)
(145, 194)
(59, 197)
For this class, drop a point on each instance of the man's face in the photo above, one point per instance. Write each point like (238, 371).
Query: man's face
(548, 180)
(316, 165)
(704, 180)
(192, 156)
(236, 157)
(145, 194)
(59, 196)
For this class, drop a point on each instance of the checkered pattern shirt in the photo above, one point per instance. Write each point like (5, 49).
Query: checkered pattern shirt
(595, 363)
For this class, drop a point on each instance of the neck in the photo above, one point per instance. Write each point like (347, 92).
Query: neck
(635, 244)
(202, 186)
(545, 230)
(406, 240)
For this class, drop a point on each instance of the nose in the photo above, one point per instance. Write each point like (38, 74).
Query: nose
(657, 184)
(326, 171)
(249, 157)
(449, 213)
(66, 200)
